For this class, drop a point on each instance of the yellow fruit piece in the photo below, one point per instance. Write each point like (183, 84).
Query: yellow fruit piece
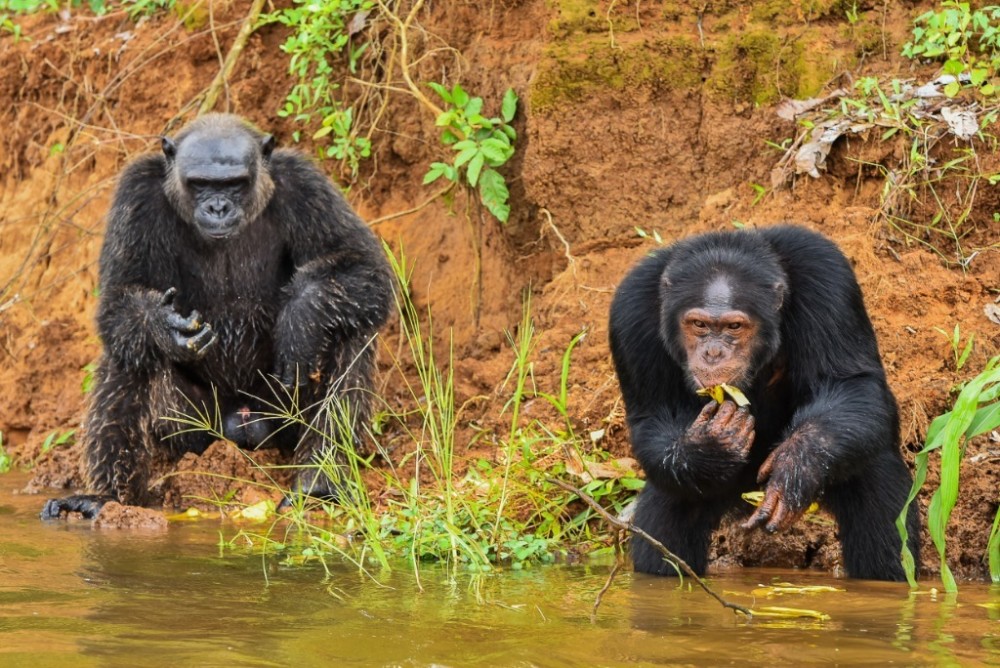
(719, 392)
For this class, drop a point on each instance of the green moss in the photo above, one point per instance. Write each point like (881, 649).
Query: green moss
(756, 62)
(571, 71)
(866, 37)
(577, 16)
(781, 12)
(757, 67)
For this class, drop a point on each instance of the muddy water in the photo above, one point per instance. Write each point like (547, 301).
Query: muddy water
(70, 595)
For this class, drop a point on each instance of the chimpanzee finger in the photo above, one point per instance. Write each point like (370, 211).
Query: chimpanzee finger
(189, 325)
(707, 411)
(168, 297)
(764, 510)
(746, 441)
(782, 518)
(765, 469)
(725, 413)
(200, 342)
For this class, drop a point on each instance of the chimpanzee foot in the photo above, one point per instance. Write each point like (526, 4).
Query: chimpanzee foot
(87, 505)
(316, 486)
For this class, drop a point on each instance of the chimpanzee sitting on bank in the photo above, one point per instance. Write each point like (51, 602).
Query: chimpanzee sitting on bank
(235, 280)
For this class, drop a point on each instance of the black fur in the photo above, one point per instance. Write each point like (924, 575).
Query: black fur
(205, 312)
(816, 376)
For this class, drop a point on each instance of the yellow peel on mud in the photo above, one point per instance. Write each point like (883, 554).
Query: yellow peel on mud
(719, 392)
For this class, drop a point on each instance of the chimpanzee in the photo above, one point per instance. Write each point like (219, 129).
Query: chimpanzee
(236, 282)
(777, 313)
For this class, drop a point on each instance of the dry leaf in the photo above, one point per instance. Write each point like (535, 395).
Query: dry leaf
(962, 122)
(992, 312)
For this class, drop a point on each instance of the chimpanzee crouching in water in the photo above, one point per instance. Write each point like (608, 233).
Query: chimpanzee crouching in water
(231, 274)
(777, 313)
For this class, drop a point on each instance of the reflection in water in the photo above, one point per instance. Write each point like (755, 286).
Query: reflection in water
(71, 595)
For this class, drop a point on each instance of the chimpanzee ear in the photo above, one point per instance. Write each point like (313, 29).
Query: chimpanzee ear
(169, 147)
(779, 294)
(267, 146)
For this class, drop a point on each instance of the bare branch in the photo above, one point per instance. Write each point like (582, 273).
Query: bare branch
(660, 547)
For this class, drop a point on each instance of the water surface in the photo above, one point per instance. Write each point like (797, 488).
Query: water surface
(73, 596)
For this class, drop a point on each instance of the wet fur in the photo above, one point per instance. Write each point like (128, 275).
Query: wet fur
(305, 282)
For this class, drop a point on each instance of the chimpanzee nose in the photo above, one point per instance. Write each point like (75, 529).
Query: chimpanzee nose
(714, 352)
(218, 207)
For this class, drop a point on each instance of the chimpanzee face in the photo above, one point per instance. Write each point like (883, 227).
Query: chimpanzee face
(215, 179)
(719, 339)
(721, 323)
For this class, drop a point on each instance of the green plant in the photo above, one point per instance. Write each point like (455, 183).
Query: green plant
(960, 353)
(480, 144)
(852, 13)
(56, 439)
(5, 459)
(140, 8)
(967, 40)
(87, 384)
(976, 411)
(322, 35)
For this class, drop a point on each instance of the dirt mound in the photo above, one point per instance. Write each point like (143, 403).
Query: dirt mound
(634, 115)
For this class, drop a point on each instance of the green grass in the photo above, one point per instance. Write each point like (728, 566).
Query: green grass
(439, 502)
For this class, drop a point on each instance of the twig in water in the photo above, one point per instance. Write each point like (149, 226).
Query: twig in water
(660, 547)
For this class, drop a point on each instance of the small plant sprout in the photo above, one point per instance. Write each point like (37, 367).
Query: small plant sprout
(959, 352)
(480, 145)
(654, 235)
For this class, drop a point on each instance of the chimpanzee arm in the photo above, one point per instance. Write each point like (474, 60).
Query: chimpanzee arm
(341, 288)
(137, 316)
(847, 414)
(681, 449)
(831, 439)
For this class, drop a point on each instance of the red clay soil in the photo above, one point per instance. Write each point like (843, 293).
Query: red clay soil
(631, 116)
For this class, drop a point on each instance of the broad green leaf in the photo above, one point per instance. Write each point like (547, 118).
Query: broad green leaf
(466, 155)
(445, 119)
(473, 108)
(509, 106)
(475, 166)
(951, 90)
(495, 152)
(494, 194)
(432, 175)
(459, 97)
(441, 91)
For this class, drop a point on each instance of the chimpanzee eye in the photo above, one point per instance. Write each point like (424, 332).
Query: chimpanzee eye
(735, 325)
(699, 324)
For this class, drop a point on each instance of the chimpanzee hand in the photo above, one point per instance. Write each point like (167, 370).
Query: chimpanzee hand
(722, 428)
(183, 339)
(793, 482)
